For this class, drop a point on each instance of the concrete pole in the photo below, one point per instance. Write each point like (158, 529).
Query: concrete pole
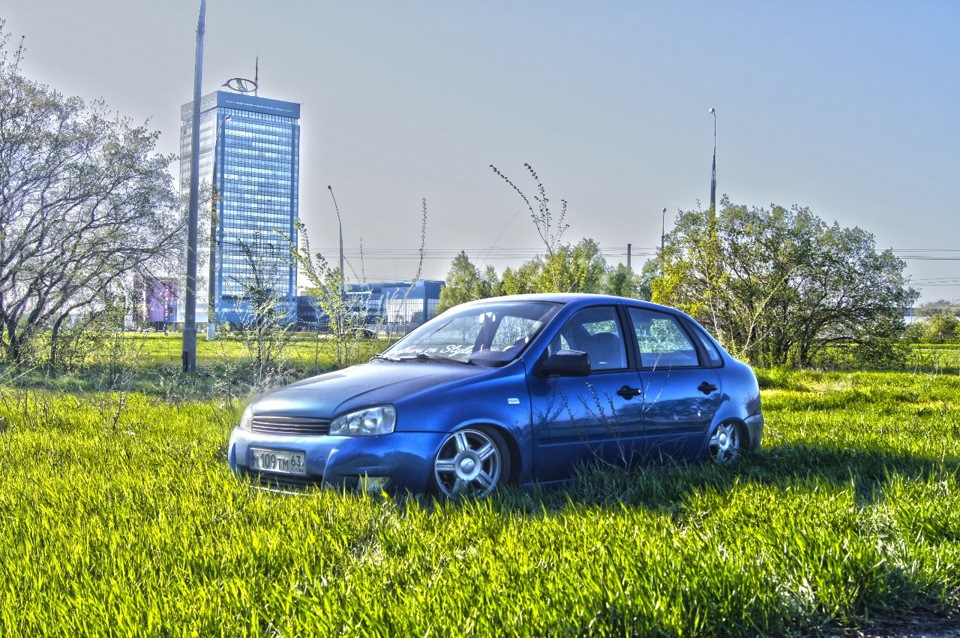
(190, 303)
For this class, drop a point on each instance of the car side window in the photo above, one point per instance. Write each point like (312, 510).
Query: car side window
(713, 355)
(661, 340)
(595, 331)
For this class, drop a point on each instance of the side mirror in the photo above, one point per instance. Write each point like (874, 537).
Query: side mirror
(564, 363)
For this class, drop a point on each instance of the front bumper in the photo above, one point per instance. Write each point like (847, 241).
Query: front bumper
(405, 459)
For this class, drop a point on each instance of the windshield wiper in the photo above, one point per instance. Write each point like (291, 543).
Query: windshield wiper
(382, 357)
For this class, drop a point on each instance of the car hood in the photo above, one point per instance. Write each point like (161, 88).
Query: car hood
(375, 383)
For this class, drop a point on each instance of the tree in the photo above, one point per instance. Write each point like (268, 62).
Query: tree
(85, 203)
(525, 279)
(465, 283)
(268, 317)
(931, 308)
(564, 268)
(651, 270)
(327, 286)
(778, 286)
(579, 268)
(624, 282)
(941, 327)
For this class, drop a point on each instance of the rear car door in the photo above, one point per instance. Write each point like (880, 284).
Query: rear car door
(681, 386)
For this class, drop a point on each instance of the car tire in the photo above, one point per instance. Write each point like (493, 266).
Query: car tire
(725, 443)
(471, 462)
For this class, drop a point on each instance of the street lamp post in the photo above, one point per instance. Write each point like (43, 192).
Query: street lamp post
(713, 178)
(663, 231)
(214, 225)
(340, 226)
(343, 276)
(663, 234)
(189, 357)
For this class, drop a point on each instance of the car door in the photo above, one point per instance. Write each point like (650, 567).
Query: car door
(593, 417)
(681, 388)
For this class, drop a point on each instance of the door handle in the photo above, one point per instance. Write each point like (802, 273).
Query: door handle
(628, 393)
(706, 387)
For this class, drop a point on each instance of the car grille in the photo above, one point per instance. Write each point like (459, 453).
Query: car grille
(281, 482)
(290, 425)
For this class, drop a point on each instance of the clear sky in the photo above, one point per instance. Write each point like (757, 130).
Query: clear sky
(849, 108)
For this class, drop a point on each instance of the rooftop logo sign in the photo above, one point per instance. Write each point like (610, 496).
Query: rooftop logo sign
(241, 85)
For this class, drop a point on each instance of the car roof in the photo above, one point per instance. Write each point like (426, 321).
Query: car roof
(577, 298)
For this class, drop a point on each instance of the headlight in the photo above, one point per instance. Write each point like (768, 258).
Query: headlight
(379, 420)
(246, 421)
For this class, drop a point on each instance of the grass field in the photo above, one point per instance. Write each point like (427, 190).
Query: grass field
(119, 516)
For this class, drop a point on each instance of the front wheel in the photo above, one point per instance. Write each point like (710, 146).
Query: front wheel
(725, 443)
(471, 462)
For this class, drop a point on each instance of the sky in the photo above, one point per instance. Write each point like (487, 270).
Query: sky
(847, 107)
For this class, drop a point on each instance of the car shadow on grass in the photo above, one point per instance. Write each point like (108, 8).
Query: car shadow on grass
(666, 484)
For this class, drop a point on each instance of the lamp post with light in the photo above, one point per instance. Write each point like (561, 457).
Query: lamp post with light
(215, 196)
(663, 230)
(343, 276)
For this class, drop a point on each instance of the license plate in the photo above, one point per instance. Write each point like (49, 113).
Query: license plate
(280, 461)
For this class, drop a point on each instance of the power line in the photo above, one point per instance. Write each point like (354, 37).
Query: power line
(520, 254)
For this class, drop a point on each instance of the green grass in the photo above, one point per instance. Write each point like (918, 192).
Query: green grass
(119, 516)
(944, 357)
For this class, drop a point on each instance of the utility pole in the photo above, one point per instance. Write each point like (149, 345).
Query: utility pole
(190, 303)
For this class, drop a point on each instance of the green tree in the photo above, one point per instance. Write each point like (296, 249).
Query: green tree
(327, 287)
(525, 279)
(580, 268)
(85, 204)
(624, 282)
(941, 327)
(564, 268)
(779, 286)
(268, 318)
(932, 308)
(465, 282)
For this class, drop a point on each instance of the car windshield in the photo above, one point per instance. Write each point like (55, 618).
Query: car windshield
(487, 334)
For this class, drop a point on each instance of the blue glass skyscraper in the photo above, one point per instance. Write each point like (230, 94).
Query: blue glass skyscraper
(250, 153)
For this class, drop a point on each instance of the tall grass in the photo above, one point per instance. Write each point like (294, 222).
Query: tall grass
(119, 516)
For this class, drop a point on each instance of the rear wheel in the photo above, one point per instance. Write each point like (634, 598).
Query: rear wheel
(471, 462)
(725, 443)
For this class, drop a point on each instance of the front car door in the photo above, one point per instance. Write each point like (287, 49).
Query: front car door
(598, 417)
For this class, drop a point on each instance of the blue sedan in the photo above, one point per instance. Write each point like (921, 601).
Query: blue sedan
(515, 390)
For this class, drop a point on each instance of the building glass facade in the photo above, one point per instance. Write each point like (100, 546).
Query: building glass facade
(250, 153)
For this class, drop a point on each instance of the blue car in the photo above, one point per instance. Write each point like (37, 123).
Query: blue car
(513, 390)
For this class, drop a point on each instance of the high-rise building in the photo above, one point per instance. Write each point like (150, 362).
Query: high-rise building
(250, 153)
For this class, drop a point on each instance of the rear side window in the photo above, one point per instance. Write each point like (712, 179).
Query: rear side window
(714, 360)
(661, 340)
